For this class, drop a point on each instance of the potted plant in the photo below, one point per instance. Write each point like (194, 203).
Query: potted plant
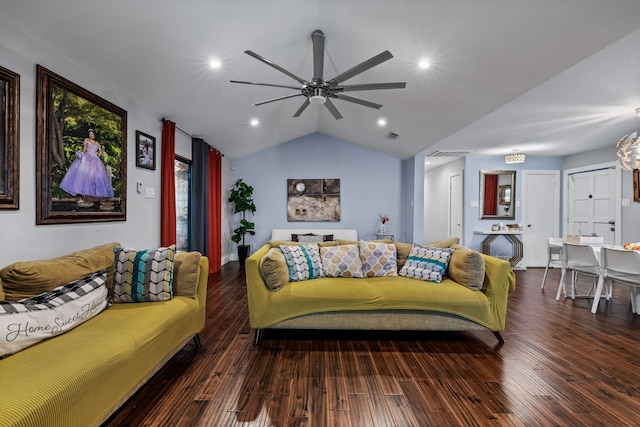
(241, 195)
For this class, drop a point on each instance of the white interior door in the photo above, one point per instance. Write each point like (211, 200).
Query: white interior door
(455, 205)
(540, 213)
(591, 202)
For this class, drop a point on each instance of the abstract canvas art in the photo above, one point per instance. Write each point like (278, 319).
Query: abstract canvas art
(310, 200)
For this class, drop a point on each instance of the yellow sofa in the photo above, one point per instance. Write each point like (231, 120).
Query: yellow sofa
(79, 378)
(380, 303)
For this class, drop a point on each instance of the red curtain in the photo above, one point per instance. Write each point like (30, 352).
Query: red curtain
(215, 210)
(168, 234)
(490, 195)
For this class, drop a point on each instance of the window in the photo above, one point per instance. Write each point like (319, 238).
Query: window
(183, 203)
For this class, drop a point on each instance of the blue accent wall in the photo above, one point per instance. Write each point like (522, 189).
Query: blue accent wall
(370, 184)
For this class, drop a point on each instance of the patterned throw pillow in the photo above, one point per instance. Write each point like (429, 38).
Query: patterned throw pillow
(426, 263)
(378, 259)
(303, 261)
(341, 261)
(51, 313)
(145, 275)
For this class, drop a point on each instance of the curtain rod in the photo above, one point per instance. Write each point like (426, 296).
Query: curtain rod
(185, 132)
(190, 136)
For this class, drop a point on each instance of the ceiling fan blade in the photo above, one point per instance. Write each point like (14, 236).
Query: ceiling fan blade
(371, 86)
(358, 101)
(304, 105)
(277, 99)
(265, 84)
(276, 66)
(332, 109)
(364, 66)
(318, 54)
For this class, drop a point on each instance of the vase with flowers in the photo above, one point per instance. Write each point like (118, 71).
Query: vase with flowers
(383, 220)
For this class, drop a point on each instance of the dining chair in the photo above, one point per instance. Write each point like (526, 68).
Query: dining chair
(554, 255)
(620, 265)
(579, 259)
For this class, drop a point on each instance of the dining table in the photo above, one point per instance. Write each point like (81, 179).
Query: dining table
(600, 284)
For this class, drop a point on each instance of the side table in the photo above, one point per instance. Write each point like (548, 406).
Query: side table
(518, 248)
(384, 235)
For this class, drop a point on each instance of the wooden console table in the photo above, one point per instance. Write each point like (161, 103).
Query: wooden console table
(518, 248)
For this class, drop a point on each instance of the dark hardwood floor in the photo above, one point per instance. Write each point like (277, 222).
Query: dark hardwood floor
(560, 366)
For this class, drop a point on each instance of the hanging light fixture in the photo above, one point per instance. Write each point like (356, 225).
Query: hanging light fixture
(514, 158)
(628, 153)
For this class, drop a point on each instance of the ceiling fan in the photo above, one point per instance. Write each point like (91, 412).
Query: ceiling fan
(318, 90)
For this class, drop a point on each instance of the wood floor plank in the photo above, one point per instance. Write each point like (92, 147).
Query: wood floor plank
(560, 365)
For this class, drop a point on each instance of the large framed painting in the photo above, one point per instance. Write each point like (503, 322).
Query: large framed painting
(81, 154)
(9, 139)
(311, 200)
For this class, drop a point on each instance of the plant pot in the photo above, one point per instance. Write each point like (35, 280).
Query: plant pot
(243, 253)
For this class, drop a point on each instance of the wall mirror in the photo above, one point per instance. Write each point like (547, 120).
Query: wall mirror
(497, 194)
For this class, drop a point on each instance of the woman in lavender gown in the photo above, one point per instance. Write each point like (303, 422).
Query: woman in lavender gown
(87, 175)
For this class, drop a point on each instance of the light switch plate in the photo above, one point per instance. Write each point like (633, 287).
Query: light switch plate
(626, 202)
(139, 187)
(150, 192)
(475, 203)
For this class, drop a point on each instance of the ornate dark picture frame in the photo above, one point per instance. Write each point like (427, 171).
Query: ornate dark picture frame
(81, 154)
(145, 151)
(9, 140)
(636, 185)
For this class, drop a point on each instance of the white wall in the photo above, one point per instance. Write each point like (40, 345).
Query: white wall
(20, 238)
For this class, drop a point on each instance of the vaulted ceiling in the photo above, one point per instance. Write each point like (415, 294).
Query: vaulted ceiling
(546, 77)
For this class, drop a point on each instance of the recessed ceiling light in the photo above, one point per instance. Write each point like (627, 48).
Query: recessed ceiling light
(382, 122)
(424, 64)
(254, 122)
(215, 64)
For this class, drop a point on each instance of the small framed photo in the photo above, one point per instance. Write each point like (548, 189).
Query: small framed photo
(145, 151)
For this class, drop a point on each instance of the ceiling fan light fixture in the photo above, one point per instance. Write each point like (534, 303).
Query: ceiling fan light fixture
(317, 97)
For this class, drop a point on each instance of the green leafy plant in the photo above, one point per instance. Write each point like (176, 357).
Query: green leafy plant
(241, 195)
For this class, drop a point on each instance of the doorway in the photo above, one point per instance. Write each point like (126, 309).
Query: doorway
(183, 203)
(540, 213)
(456, 202)
(592, 203)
